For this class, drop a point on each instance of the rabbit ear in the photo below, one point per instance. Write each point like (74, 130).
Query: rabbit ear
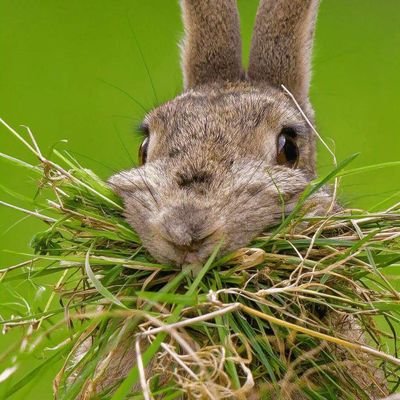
(211, 49)
(282, 43)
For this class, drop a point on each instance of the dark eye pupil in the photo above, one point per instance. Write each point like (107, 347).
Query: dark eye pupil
(291, 151)
(143, 151)
(288, 152)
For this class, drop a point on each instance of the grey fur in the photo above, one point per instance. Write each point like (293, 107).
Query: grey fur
(211, 50)
(282, 43)
(212, 173)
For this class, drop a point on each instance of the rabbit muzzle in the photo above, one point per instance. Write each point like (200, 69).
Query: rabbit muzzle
(183, 223)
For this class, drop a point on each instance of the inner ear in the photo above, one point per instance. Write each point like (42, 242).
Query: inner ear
(211, 49)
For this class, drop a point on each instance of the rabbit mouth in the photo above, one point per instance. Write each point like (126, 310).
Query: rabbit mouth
(188, 247)
(193, 258)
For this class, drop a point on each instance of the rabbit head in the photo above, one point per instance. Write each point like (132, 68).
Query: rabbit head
(230, 156)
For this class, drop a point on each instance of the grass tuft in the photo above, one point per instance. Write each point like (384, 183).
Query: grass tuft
(274, 315)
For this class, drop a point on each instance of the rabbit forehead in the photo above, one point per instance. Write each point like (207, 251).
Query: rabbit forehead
(238, 105)
(244, 115)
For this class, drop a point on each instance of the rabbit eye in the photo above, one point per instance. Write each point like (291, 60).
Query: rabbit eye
(288, 152)
(143, 151)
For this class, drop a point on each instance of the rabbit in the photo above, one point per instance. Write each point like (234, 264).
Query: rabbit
(203, 180)
(218, 159)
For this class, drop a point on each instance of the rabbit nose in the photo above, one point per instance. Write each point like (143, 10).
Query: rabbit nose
(186, 238)
(187, 228)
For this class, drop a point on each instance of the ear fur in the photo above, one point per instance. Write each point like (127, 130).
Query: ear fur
(211, 49)
(282, 43)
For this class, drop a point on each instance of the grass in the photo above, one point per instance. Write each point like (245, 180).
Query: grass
(266, 315)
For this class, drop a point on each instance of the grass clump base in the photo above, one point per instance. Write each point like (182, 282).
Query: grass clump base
(272, 319)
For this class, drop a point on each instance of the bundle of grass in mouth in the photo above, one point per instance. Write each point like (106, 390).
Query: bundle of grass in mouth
(270, 321)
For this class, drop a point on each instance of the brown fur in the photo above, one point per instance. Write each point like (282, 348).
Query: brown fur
(212, 172)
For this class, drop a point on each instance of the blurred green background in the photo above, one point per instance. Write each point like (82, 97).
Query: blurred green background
(69, 70)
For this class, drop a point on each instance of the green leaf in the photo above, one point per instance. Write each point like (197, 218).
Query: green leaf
(98, 285)
(170, 298)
